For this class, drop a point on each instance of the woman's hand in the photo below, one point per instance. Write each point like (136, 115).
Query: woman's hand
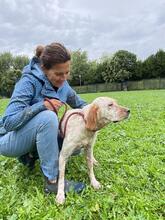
(52, 104)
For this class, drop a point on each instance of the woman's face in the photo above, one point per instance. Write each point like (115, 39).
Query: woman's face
(58, 73)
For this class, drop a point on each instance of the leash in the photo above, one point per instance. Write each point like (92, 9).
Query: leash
(54, 109)
(66, 122)
(62, 133)
(65, 126)
(62, 118)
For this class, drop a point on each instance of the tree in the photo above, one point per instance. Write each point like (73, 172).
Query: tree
(104, 66)
(94, 73)
(154, 65)
(160, 63)
(10, 71)
(79, 68)
(19, 62)
(8, 81)
(6, 62)
(120, 67)
(138, 73)
(149, 67)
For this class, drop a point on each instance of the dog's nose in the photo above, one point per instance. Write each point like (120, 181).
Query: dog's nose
(128, 111)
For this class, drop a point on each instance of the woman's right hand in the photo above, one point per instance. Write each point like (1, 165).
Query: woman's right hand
(55, 102)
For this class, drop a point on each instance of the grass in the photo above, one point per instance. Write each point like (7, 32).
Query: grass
(132, 172)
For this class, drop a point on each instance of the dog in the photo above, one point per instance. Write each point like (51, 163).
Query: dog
(80, 127)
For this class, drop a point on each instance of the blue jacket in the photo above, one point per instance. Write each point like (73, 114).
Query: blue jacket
(28, 97)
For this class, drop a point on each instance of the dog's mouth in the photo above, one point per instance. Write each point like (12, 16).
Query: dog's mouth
(115, 121)
(126, 117)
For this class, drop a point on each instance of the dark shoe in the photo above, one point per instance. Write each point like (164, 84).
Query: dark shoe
(28, 160)
(77, 187)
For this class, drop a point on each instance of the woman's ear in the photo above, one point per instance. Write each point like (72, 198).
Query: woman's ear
(91, 119)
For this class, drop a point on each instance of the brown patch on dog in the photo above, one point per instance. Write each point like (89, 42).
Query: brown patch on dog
(91, 119)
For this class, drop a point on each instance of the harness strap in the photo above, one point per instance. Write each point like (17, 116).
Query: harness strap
(62, 118)
(66, 122)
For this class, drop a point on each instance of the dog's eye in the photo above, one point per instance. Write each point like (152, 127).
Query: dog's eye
(110, 105)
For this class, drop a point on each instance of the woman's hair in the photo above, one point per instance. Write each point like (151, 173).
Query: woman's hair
(52, 54)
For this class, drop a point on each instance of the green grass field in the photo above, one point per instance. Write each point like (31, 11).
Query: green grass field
(132, 172)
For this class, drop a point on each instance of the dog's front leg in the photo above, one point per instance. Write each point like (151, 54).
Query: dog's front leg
(60, 198)
(89, 158)
(95, 162)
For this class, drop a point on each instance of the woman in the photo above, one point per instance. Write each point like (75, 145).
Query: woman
(30, 125)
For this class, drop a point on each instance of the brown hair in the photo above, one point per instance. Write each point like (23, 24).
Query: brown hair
(39, 50)
(52, 54)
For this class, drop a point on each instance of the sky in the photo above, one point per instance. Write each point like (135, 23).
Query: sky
(98, 27)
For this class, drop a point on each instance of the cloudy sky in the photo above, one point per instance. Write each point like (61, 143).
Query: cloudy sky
(99, 27)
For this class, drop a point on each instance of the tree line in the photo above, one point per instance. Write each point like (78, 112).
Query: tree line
(118, 67)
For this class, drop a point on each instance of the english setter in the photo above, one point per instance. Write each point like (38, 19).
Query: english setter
(81, 130)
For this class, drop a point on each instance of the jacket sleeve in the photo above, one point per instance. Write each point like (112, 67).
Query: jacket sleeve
(19, 111)
(74, 100)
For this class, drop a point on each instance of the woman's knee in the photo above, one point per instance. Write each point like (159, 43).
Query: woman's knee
(48, 118)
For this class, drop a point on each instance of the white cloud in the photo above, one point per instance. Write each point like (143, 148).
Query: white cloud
(95, 26)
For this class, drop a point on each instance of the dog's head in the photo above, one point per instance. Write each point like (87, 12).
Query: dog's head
(104, 110)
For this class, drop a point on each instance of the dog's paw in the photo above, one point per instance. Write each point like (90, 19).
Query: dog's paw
(95, 184)
(95, 162)
(60, 198)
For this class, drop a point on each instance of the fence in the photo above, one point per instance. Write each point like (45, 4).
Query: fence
(129, 85)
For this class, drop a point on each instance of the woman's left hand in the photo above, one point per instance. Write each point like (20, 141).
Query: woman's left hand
(52, 104)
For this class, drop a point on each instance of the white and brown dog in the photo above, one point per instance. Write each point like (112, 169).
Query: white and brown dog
(81, 130)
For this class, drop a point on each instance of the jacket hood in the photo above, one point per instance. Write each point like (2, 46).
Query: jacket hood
(33, 68)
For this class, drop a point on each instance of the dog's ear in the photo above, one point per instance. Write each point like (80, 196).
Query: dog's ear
(91, 119)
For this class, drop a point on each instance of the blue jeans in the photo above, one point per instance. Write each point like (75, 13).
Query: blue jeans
(41, 134)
